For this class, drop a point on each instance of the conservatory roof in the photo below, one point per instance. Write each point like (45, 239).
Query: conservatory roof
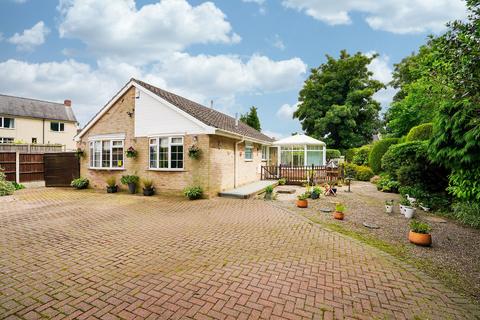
(298, 139)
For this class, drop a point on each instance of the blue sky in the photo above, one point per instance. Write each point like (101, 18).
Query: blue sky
(237, 53)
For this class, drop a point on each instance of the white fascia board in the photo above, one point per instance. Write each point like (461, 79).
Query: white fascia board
(110, 136)
(208, 129)
(237, 136)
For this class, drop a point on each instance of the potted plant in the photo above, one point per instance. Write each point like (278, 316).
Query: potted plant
(148, 189)
(193, 193)
(79, 153)
(112, 184)
(420, 233)
(80, 183)
(302, 201)
(308, 190)
(131, 152)
(403, 204)
(339, 211)
(409, 212)
(268, 193)
(194, 152)
(131, 181)
(389, 206)
(316, 192)
(282, 181)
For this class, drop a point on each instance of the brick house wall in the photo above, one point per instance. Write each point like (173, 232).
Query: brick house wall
(214, 171)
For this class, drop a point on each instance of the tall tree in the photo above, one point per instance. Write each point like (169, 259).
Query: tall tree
(336, 102)
(251, 118)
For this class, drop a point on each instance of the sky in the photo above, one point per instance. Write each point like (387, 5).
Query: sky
(236, 53)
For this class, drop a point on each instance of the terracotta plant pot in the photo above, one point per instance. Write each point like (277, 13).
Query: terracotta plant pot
(421, 239)
(338, 215)
(302, 203)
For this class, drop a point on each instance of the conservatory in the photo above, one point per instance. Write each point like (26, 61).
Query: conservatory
(300, 150)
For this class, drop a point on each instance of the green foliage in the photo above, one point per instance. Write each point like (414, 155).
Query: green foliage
(467, 212)
(269, 189)
(465, 184)
(361, 155)
(332, 154)
(251, 118)
(419, 227)
(80, 183)
(387, 184)
(378, 150)
(111, 181)
(361, 173)
(6, 188)
(340, 207)
(336, 101)
(282, 181)
(193, 193)
(349, 154)
(18, 186)
(147, 183)
(317, 190)
(420, 132)
(129, 179)
(303, 196)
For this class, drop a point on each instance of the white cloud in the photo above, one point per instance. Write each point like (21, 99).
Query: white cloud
(397, 16)
(30, 38)
(286, 111)
(117, 28)
(273, 134)
(380, 66)
(277, 42)
(260, 2)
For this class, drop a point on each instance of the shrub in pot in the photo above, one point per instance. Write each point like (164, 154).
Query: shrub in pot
(193, 193)
(389, 206)
(403, 204)
(316, 192)
(131, 181)
(420, 233)
(80, 183)
(112, 185)
(282, 181)
(148, 189)
(268, 193)
(339, 211)
(409, 212)
(302, 201)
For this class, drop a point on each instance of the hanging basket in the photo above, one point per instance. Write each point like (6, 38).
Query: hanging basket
(131, 153)
(194, 152)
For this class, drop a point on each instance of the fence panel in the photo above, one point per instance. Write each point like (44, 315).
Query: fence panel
(8, 164)
(301, 174)
(31, 167)
(61, 169)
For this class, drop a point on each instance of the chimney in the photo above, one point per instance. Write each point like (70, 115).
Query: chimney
(67, 103)
(211, 104)
(236, 119)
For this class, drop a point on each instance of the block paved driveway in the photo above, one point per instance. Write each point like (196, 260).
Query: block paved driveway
(84, 254)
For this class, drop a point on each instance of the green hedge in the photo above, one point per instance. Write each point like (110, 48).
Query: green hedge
(361, 155)
(420, 132)
(378, 150)
(333, 154)
(349, 154)
(362, 173)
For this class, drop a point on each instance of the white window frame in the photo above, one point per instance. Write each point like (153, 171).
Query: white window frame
(59, 123)
(2, 123)
(248, 145)
(2, 140)
(169, 152)
(91, 150)
(265, 152)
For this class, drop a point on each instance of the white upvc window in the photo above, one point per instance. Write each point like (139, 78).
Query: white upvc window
(265, 153)
(166, 153)
(57, 126)
(7, 123)
(6, 140)
(248, 151)
(106, 154)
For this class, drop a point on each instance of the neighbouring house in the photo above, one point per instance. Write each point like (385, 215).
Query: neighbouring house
(24, 120)
(162, 128)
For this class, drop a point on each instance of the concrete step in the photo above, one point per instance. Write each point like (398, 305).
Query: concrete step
(248, 190)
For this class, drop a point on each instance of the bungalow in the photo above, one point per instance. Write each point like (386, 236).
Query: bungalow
(163, 130)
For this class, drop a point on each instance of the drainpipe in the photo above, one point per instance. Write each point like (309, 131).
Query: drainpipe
(235, 162)
(43, 131)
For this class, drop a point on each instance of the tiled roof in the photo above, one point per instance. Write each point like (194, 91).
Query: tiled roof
(209, 116)
(24, 107)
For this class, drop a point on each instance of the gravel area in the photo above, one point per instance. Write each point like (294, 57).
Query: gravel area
(455, 249)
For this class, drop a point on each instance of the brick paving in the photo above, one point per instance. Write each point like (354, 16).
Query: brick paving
(88, 255)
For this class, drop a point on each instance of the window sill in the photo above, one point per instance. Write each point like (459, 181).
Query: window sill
(166, 170)
(107, 169)
(248, 160)
(7, 128)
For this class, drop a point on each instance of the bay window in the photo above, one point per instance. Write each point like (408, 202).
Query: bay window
(106, 154)
(166, 153)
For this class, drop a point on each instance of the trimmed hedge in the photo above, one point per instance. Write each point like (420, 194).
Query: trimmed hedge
(378, 150)
(361, 173)
(349, 154)
(361, 155)
(333, 154)
(421, 132)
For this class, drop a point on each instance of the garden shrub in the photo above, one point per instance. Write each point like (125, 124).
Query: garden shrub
(387, 184)
(378, 150)
(420, 132)
(193, 193)
(361, 155)
(6, 187)
(361, 173)
(80, 183)
(465, 184)
(467, 212)
(333, 154)
(349, 154)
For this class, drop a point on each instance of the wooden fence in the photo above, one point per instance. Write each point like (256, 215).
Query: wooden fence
(22, 167)
(31, 147)
(301, 174)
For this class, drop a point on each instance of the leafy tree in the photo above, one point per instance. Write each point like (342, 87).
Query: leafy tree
(456, 126)
(336, 103)
(251, 118)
